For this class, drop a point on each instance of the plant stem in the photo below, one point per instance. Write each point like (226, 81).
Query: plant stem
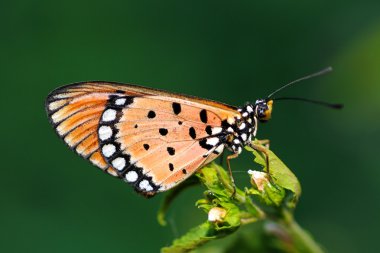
(302, 240)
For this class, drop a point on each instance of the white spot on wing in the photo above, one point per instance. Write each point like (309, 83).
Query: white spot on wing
(230, 130)
(119, 163)
(219, 149)
(245, 114)
(230, 120)
(105, 132)
(109, 115)
(131, 176)
(144, 185)
(249, 109)
(243, 137)
(108, 150)
(120, 101)
(212, 141)
(236, 141)
(216, 130)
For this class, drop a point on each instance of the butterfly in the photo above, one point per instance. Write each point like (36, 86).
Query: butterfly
(150, 138)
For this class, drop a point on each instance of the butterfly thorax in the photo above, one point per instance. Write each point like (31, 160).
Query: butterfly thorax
(240, 130)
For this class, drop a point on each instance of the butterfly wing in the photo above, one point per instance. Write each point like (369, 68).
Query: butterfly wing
(150, 138)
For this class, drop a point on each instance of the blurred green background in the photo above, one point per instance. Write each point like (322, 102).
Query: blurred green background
(230, 51)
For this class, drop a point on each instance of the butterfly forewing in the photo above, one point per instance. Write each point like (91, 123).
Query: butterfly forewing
(150, 138)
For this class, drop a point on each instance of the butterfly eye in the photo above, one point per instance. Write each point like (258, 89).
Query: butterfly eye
(264, 110)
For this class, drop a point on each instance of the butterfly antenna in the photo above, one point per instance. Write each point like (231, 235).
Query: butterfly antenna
(319, 73)
(329, 105)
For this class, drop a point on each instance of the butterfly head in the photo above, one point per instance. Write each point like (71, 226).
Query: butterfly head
(263, 109)
(241, 130)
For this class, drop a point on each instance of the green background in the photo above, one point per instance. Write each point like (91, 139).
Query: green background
(230, 51)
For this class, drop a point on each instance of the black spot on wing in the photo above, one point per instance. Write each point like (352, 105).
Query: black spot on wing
(208, 130)
(225, 124)
(203, 144)
(192, 133)
(146, 146)
(171, 167)
(151, 114)
(171, 150)
(128, 101)
(120, 91)
(176, 108)
(163, 131)
(203, 115)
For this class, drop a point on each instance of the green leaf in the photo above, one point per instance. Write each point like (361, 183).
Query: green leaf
(275, 194)
(216, 180)
(231, 221)
(193, 239)
(218, 195)
(280, 175)
(207, 231)
(271, 195)
(227, 212)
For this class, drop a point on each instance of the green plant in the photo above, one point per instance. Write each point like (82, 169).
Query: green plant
(263, 213)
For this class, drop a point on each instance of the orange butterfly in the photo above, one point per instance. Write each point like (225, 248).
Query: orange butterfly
(150, 138)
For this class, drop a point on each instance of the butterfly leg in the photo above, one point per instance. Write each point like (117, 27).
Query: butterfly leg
(230, 172)
(263, 150)
(221, 159)
(264, 142)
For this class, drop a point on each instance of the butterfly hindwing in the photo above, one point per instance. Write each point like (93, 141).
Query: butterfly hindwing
(152, 139)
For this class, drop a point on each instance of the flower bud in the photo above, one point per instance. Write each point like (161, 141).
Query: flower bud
(259, 179)
(216, 214)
